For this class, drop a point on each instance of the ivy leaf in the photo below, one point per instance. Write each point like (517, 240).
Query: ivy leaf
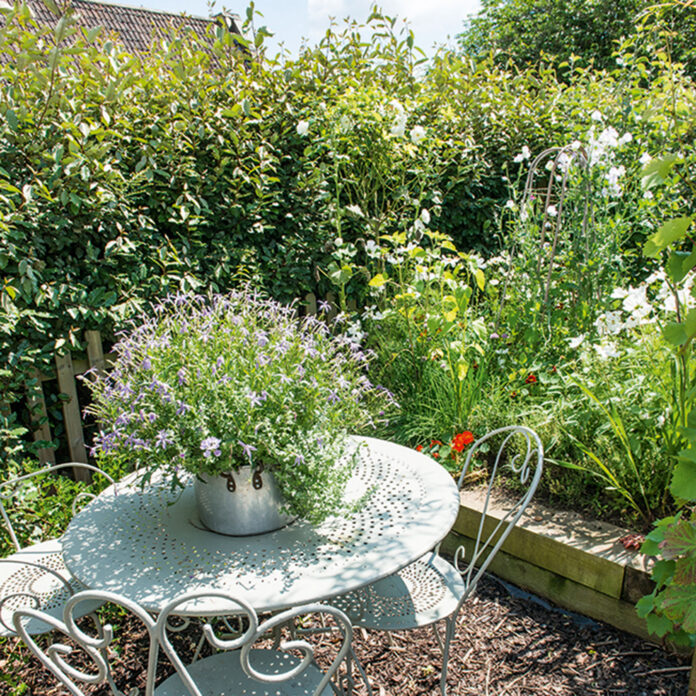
(668, 233)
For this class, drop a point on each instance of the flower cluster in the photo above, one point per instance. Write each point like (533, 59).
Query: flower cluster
(208, 384)
(437, 448)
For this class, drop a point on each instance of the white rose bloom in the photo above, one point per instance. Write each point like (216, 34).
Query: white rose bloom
(425, 216)
(596, 115)
(510, 204)
(576, 341)
(302, 128)
(648, 195)
(552, 211)
(645, 158)
(625, 138)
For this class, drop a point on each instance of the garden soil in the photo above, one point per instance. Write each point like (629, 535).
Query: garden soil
(507, 643)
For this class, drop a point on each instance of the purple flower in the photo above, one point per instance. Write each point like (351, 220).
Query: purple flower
(182, 409)
(324, 306)
(181, 374)
(333, 397)
(163, 439)
(254, 399)
(299, 459)
(261, 339)
(210, 446)
(248, 449)
(147, 364)
(300, 371)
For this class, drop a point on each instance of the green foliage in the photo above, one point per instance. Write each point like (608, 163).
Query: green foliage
(569, 32)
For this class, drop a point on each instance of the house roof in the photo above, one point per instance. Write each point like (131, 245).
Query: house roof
(136, 26)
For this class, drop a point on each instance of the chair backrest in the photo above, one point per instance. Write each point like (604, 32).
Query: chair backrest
(252, 633)
(58, 658)
(10, 488)
(520, 452)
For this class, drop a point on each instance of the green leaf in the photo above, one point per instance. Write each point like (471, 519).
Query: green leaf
(679, 604)
(679, 263)
(645, 605)
(659, 625)
(675, 333)
(668, 233)
(683, 484)
(480, 279)
(690, 323)
(656, 171)
(378, 281)
(12, 119)
(680, 539)
(662, 572)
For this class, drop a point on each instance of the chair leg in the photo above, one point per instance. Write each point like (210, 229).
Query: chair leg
(450, 625)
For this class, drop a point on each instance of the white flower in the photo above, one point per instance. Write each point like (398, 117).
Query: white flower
(609, 323)
(399, 126)
(635, 298)
(576, 341)
(549, 165)
(524, 155)
(425, 216)
(302, 128)
(625, 138)
(371, 249)
(618, 294)
(511, 204)
(615, 173)
(417, 134)
(606, 350)
(345, 123)
(575, 145)
(645, 158)
(355, 210)
(596, 115)
(648, 195)
(552, 211)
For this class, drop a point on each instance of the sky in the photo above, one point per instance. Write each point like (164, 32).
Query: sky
(433, 21)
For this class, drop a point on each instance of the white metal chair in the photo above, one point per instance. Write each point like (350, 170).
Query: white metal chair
(431, 589)
(238, 669)
(35, 575)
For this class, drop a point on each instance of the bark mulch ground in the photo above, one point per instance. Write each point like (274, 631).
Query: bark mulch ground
(507, 643)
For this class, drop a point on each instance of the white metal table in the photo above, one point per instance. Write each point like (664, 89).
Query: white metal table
(148, 544)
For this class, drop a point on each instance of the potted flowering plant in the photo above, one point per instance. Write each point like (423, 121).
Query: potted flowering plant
(211, 385)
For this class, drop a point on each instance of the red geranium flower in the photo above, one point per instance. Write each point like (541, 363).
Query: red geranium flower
(531, 379)
(461, 440)
(419, 448)
(435, 442)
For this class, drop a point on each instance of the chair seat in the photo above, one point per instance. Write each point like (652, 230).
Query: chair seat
(222, 675)
(20, 581)
(424, 592)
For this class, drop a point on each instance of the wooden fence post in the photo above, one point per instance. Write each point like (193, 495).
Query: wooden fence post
(71, 414)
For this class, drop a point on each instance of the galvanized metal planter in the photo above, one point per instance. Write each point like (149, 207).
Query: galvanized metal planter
(240, 503)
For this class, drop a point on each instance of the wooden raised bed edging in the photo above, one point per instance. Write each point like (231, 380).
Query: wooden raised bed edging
(576, 563)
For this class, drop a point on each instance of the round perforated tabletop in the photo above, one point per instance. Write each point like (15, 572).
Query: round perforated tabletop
(148, 544)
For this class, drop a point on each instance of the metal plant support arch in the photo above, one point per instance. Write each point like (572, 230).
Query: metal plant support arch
(560, 162)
